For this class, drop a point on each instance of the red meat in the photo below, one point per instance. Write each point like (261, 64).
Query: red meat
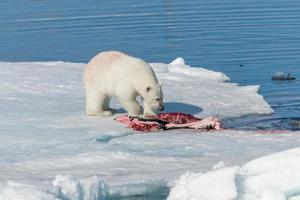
(168, 121)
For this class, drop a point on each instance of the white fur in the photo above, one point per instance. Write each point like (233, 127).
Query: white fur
(114, 73)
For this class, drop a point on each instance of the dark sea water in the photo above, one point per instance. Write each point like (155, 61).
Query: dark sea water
(248, 40)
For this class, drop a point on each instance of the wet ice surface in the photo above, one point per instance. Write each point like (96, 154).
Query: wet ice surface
(51, 150)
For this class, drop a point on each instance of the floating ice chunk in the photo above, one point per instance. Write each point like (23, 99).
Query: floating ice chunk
(214, 185)
(280, 76)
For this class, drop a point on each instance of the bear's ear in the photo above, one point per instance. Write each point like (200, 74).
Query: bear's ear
(161, 84)
(148, 88)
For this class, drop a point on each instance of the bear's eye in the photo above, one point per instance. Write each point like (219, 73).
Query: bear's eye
(157, 99)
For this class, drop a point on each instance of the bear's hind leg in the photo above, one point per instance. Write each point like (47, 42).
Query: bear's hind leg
(96, 103)
(131, 106)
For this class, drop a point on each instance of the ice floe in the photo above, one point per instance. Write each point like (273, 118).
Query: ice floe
(51, 150)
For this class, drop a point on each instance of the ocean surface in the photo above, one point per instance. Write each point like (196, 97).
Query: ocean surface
(248, 40)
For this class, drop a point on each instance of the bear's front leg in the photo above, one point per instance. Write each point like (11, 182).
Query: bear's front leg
(148, 109)
(132, 107)
(148, 114)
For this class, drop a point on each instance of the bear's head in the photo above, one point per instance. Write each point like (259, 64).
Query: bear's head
(153, 100)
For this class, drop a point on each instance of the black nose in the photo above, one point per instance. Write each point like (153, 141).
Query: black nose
(161, 108)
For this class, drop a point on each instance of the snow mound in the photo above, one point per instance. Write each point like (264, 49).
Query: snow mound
(278, 172)
(214, 185)
(273, 177)
(178, 66)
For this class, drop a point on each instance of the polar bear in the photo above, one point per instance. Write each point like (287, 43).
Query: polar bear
(114, 73)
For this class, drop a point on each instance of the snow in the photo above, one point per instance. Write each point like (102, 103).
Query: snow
(16, 191)
(214, 185)
(51, 150)
(272, 177)
(278, 172)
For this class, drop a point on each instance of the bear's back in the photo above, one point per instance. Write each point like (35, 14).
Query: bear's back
(106, 58)
(118, 63)
(112, 69)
